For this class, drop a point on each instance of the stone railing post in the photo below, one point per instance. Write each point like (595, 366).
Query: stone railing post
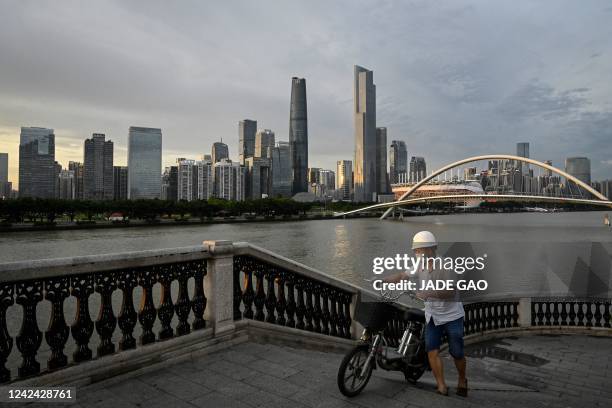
(356, 327)
(218, 286)
(524, 312)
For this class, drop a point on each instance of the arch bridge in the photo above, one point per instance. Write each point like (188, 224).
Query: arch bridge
(582, 194)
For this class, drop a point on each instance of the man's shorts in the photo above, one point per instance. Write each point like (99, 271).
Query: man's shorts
(454, 334)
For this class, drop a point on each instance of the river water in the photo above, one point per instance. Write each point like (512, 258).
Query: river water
(343, 248)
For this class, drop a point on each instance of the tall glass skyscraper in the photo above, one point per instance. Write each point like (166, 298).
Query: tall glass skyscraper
(37, 170)
(298, 135)
(98, 168)
(219, 151)
(246, 139)
(398, 161)
(364, 171)
(281, 170)
(382, 178)
(144, 162)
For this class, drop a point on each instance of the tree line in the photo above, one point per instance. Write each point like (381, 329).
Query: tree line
(49, 210)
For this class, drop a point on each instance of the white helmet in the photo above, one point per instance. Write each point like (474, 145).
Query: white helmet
(424, 239)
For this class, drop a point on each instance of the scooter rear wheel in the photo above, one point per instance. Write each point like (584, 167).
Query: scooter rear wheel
(350, 380)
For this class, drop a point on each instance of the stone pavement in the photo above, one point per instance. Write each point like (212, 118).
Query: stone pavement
(529, 371)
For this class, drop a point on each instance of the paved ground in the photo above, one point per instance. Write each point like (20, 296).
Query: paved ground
(533, 371)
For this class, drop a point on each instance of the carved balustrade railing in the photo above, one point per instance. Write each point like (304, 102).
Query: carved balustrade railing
(133, 301)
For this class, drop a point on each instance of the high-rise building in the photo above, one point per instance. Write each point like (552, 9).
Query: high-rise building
(219, 151)
(246, 139)
(98, 168)
(169, 182)
(258, 177)
(314, 174)
(382, 178)
(3, 167)
(185, 179)
(78, 170)
(298, 135)
(327, 178)
(144, 162)
(281, 170)
(205, 180)
(398, 162)
(5, 186)
(37, 172)
(264, 140)
(120, 183)
(66, 185)
(579, 167)
(364, 172)
(344, 179)
(522, 150)
(418, 169)
(229, 180)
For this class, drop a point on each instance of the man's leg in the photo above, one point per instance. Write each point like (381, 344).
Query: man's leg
(433, 339)
(454, 331)
(435, 362)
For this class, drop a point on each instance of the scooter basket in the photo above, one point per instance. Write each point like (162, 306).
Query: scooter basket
(373, 315)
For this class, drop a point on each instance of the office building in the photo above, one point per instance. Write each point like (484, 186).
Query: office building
(144, 162)
(314, 174)
(247, 129)
(78, 170)
(344, 179)
(298, 135)
(219, 151)
(382, 178)
(98, 168)
(120, 183)
(281, 170)
(258, 177)
(5, 186)
(37, 173)
(522, 150)
(398, 162)
(364, 171)
(229, 180)
(66, 185)
(264, 140)
(169, 188)
(327, 178)
(418, 169)
(579, 167)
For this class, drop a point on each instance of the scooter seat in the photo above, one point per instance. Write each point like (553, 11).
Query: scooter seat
(416, 315)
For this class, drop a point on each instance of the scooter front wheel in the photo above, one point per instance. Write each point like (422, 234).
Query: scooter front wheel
(352, 376)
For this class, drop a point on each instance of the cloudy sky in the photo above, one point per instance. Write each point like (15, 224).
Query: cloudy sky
(454, 78)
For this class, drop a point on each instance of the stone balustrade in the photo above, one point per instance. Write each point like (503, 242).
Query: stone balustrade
(98, 306)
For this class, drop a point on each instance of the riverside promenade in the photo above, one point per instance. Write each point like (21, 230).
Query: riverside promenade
(528, 371)
(233, 325)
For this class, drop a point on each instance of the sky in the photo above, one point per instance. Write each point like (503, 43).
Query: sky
(453, 78)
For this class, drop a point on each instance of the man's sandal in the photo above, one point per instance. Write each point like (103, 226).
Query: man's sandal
(463, 391)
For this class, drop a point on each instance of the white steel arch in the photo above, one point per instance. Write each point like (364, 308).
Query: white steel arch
(473, 159)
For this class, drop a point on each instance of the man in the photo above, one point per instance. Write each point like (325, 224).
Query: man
(443, 313)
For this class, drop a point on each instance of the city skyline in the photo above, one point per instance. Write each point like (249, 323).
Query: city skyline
(444, 87)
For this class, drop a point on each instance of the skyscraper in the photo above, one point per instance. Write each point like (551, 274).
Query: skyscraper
(522, 150)
(418, 169)
(364, 172)
(246, 139)
(5, 186)
(281, 170)
(398, 162)
(229, 180)
(382, 178)
(98, 168)
(344, 179)
(219, 151)
(66, 185)
(258, 177)
(298, 135)
(37, 172)
(77, 168)
(264, 140)
(3, 167)
(579, 167)
(120, 182)
(144, 162)
(170, 184)
(185, 179)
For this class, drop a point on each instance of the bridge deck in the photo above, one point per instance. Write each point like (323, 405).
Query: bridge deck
(544, 371)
